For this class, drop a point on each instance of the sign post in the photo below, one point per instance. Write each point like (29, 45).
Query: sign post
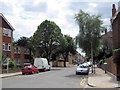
(8, 61)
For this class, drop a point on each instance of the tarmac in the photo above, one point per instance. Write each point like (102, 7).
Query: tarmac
(99, 79)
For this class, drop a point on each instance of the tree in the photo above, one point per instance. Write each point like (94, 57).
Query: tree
(90, 27)
(46, 38)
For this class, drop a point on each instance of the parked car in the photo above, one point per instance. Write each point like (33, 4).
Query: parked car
(89, 63)
(81, 69)
(28, 68)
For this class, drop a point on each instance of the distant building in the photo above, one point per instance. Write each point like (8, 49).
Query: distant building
(78, 58)
(106, 40)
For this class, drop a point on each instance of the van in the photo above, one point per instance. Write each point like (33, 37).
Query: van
(42, 64)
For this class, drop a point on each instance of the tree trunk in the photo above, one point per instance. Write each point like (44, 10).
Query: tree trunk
(65, 57)
(65, 63)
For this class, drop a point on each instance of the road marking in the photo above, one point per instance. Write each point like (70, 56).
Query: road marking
(83, 81)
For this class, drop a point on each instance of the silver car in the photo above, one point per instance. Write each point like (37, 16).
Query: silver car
(81, 69)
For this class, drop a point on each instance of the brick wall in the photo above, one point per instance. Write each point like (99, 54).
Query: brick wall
(116, 36)
(111, 65)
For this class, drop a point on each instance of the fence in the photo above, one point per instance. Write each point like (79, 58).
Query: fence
(111, 65)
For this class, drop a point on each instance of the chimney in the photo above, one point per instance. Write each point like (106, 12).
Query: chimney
(113, 10)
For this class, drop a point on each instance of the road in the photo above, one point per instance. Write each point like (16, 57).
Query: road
(64, 78)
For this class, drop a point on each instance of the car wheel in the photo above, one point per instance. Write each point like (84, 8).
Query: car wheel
(76, 73)
(23, 73)
(38, 71)
(32, 72)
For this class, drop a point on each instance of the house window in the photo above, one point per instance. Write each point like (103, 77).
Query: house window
(9, 47)
(17, 50)
(6, 46)
(3, 46)
(17, 61)
(26, 51)
(7, 32)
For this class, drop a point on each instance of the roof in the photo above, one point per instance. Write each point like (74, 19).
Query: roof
(1, 15)
(113, 18)
(108, 34)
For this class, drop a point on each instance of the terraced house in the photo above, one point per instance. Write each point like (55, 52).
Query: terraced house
(7, 48)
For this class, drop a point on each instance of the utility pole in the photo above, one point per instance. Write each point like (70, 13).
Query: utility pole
(92, 54)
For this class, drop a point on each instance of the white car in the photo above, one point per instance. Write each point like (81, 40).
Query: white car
(81, 69)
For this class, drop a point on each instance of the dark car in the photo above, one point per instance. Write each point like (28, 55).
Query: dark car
(29, 69)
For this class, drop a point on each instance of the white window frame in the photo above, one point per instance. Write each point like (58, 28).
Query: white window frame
(3, 46)
(16, 50)
(6, 46)
(7, 32)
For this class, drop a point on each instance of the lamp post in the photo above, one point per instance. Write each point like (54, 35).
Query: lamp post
(92, 54)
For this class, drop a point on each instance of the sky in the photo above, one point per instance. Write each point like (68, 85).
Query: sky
(26, 15)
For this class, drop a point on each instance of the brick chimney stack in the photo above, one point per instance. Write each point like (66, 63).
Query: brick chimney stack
(113, 10)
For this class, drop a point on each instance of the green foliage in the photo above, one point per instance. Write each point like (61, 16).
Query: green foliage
(101, 62)
(90, 27)
(11, 64)
(23, 41)
(116, 50)
(46, 38)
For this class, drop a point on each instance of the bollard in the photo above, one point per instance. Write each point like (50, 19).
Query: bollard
(105, 67)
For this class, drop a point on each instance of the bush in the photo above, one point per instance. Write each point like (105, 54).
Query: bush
(11, 64)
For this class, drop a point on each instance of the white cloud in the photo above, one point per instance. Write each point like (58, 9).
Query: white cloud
(93, 5)
(26, 15)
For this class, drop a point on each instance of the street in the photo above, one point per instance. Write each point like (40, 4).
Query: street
(63, 78)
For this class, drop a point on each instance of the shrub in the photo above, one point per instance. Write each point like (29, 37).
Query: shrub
(11, 64)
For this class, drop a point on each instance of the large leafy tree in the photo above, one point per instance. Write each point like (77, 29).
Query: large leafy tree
(46, 38)
(90, 27)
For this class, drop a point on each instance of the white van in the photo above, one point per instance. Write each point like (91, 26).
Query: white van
(41, 64)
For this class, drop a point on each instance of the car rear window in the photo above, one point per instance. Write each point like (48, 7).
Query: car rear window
(27, 66)
(83, 66)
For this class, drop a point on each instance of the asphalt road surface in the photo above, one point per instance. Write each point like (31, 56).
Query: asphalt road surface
(63, 78)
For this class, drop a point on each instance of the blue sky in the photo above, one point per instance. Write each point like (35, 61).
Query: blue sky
(26, 15)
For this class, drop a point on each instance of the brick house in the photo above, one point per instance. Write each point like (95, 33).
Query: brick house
(106, 40)
(7, 48)
(6, 36)
(115, 21)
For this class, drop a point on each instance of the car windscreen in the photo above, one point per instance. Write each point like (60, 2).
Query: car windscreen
(82, 66)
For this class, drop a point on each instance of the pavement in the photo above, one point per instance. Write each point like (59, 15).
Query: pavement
(99, 79)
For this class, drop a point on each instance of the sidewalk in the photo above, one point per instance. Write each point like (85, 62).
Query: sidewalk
(10, 74)
(102, 80)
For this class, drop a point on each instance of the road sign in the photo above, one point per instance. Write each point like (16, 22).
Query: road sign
(8, 58)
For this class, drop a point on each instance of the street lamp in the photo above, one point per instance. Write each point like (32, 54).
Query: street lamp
(92, 55)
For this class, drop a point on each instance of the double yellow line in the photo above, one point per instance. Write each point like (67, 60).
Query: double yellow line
(83, 81)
